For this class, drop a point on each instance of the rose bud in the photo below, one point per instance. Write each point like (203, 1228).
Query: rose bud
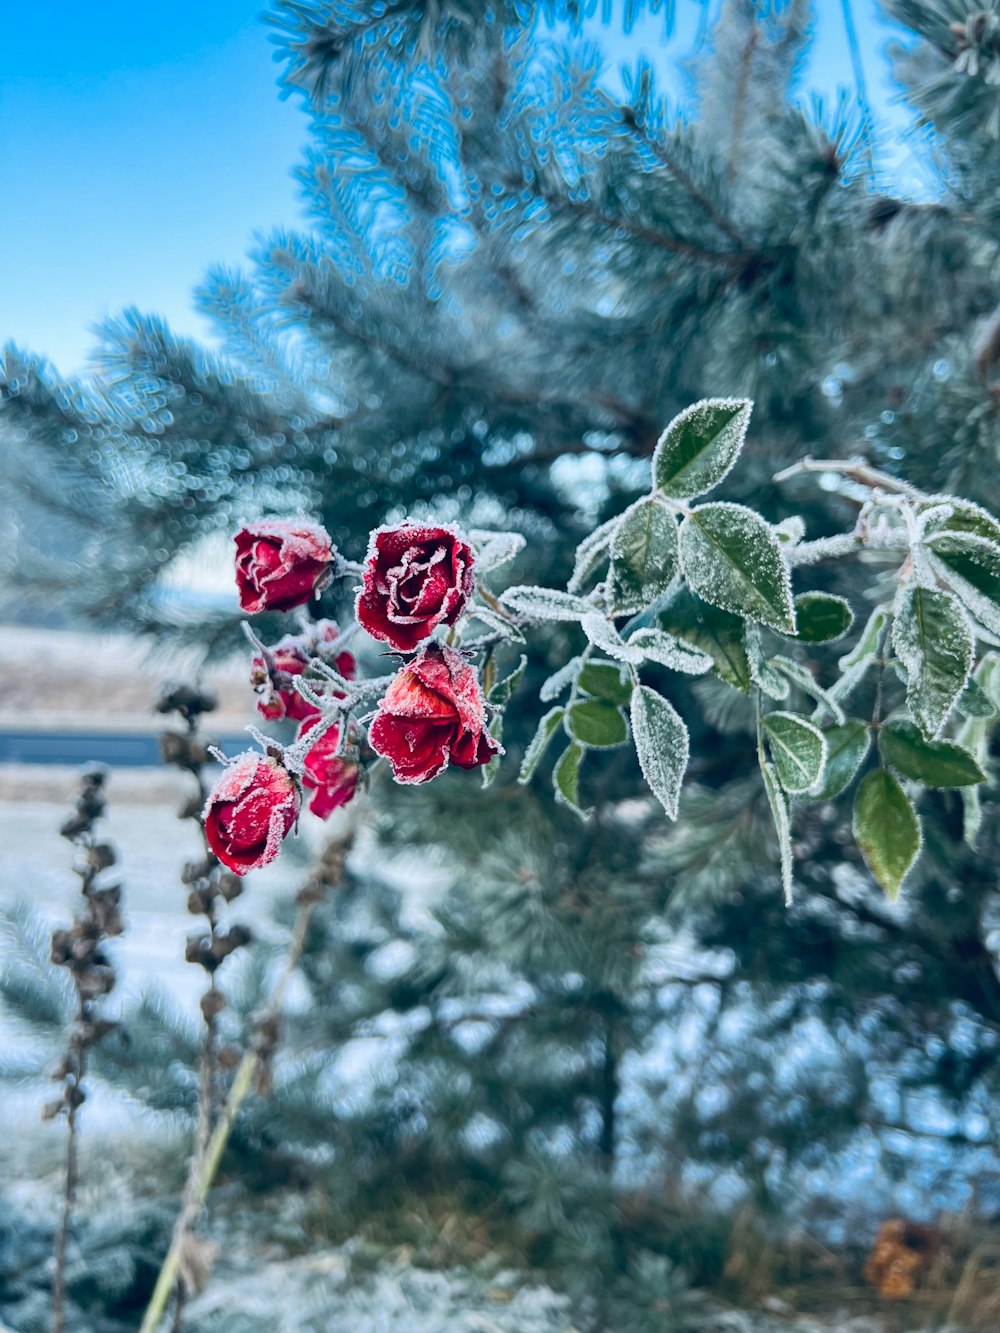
(279, 563)
(433, 714)
(332, 778)
(415, 578)
(277, 695)
(249, 811)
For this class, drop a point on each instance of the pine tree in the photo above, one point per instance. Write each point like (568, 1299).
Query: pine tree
(511, 281)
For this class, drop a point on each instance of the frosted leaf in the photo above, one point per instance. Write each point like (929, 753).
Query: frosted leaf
(490, 770)
(606, 680)
(545, 603)
(947, 513)
(715, 632)
(822, 617)
(847, 746)
(500, 624)
(798, 749)
(597, 724)
(932, 638)
(778, 802)
(972, 815)
(661, 744)
(644, 558)
(590, 553)
(494, 549)
(560, 680)
(969, 564)
(790, 531)
(762, 674)
(731, 558)
(501, 692)
(566, 780)
(547, 728)
(675, 654)
(602, 634)
(934, 763)
(870, 641)
(804, 679)
(886, 829)
(700, 445)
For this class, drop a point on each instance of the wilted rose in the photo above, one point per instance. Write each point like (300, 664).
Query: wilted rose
(331, 777)
(277, 696)
(416, 577)
(433, 714)
(279, 562)
(249, 812)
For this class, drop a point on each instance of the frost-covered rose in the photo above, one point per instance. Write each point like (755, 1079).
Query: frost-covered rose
(277, 696)
(432, 714)
(332, 778)
(279, 563)
(249, 812)
(416, 577)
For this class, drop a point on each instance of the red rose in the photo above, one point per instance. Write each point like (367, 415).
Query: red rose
(433, 714)
(279, 561)
(415, 577)
(249, 811)
(277, 695)
(332, 778)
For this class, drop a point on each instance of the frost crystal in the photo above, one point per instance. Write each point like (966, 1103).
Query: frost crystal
(545, 603)
(556, 683)
(589, 554)
(494, 549)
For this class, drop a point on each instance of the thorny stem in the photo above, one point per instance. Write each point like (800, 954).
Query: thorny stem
(205, 1164)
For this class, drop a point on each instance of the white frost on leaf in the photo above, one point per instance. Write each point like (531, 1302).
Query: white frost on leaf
(494, 549)
(731, 558)
(560, 680)
(806, 682)
(661, 744)
(602, 634)
(545, 603)
(675, 654)
(932, 638)
(499, 624)
(700, 446)
(778, 802)
(589, 554)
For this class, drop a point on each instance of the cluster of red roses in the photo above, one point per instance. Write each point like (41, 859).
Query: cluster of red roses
(415, 577)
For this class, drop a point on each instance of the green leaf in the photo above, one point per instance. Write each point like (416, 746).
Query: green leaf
(546, 729)
(933, 641)
(732, 559)
(846, 748)
(970, 566)
(566, 779)
(762, 673)
(822, 617)
(718, 633)
(975, 702)
(643, 556)
(602, 634)
(661, 744)
(604, 680)
(491, 769)
(597, 724)
(501, 692)
(946, 513)
(781, 815)
(798, 749)
(934, 763)
(700, 445)
(887, 829)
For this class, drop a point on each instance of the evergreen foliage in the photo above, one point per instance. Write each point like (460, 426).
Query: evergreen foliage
(510, 283)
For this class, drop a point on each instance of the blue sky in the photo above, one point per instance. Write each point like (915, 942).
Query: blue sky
(141, 143)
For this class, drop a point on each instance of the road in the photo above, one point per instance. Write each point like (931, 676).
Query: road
(122, 749)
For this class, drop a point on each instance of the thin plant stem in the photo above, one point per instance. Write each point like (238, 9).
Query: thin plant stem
(205, 1163)
(69, 1192)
